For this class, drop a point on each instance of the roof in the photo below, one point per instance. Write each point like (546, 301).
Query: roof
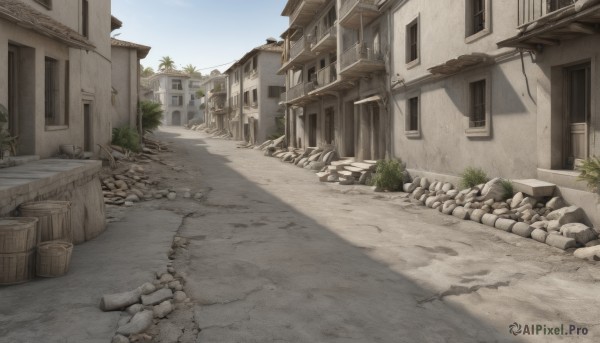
(173, 73)
(143, 50)
(276, 47)
(115, 23)
(27, 17)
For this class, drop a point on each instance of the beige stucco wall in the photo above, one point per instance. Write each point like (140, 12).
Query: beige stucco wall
(268, 108)
(124, 81)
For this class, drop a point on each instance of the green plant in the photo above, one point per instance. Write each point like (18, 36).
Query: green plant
(509, 191)
(127, 138)
(279, 128)
(472, 177)
(152, 115)
(590, 173)
(389, 175)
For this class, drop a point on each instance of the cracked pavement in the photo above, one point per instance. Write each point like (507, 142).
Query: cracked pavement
(276, 256)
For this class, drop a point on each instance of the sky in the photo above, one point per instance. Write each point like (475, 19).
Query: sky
(204, 33)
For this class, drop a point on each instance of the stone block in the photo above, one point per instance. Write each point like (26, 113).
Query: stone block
(561, 242)
(477, 215)
(461, 213)
(504, 224)
(539, 235)
(591, 253)
(522, 229)
(580, 232)
(566, 215)
(489, 219)
(533, 187)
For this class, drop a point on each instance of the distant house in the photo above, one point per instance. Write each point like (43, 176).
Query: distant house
(126, 84)
(176, 92)
(255, 89)
(56, 81)
(214, 102)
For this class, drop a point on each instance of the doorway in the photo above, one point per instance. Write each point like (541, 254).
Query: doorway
(329, 125)
(312, 130)
(13, 90)
(88, 142)
(176, 118)
(577, 114)
(349, 130)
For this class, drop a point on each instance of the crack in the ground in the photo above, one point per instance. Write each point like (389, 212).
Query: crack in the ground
(455, 290)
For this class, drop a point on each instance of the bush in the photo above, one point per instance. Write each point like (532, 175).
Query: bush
(279, 128)
(389, 175)
(152, 115)
(507, 185)
(590, 173)
(127, 138)
(472, 177)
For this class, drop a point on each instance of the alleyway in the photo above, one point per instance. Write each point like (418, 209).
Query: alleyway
(277, 257)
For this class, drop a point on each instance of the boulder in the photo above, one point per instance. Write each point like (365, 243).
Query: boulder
(556, 203)
(566, 215)
(140, 322)
(449, 207)
(580, 232)
(147, 288)
(461, 213)
(561, 242)
(447, 187)
(553, 225)
(504, 224)
(409, 187)
(539, 235)
(477, 215)
(163, 309)
(135, 308)
(347, 180)
(540, 225)
(157, 297)
(522, 229)
(591, 253)
(489, 219)
(516, 200)
(431, 200)
(425, 183)
(179, 297)
(592, 243)
(112, 302)
(333, 178)
(492, 190)
(452, 193)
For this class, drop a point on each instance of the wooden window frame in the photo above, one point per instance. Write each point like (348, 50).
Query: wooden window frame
(413, 43)
(471, 35)
(409, 131)
(485, 129)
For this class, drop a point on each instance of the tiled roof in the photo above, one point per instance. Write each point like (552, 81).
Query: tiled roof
(269, 47)
(25, 16)
(143, 50)
(115, 23)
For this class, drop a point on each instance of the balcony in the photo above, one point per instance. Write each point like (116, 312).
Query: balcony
(219, 109)
(300, 51)
(283, 98)
(304, 12)
(354, 13)
(548, 22)
(361, 59)
(299, 94)
(325, 40)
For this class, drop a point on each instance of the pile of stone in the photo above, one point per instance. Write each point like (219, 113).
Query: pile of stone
(348, 172)
(128, 187)
(146, 305)
(546, 220)
(316, 159)
(214, 132)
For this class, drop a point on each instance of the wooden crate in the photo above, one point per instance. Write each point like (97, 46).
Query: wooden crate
(17, 235)
(53, 258)
(17, 267)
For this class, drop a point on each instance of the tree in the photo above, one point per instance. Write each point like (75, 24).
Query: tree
(166, 63)
(146, 71)
(152, 115)
(190, 69)
(200, 93)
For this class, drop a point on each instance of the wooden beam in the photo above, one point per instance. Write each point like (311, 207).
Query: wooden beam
(544, 41)
(578, 28)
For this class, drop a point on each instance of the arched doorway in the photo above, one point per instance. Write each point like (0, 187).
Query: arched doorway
(176, 118)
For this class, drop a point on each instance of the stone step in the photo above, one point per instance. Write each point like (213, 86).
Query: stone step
(534, 188)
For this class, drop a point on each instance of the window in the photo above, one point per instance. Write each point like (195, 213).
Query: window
(255, 97)
(85, 19)
(45, 3)
(236, 76)
(275, 91)
(246, 98)
(412, 116)
(51, 100)
(477, 21)
(194, 84)
(176, 84)
(555, 5)
(412, 43)
(479, 106)
(312, 74)
(177, 100)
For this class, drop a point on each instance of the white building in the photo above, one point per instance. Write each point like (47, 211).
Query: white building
(177, 93)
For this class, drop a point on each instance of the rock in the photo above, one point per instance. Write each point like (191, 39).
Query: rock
(418, 193)
(128, 204)
(580, 232)
(540, 225)
(592, 243)
(447, 187)
(590, 253)
(432, 186)
(112, 302)
(489, 219)
(132, 198)
(157, 297)
(539, 235)
(566, 215)
(346, 180)
(449, 207)
(417, 181)
(504, 224)
(333, 178)
(501, 211)
(522, 229)
(561, 242)
(147, 288)
(172, 196)
(461, 213)
(528, 201)
(436, 205)
(119, 339)
(477, 215)
(135, 308)
(140, 322)
(425, 183)
(166, 278)
(315, 165)
(175, 285)
(179, 297)
(556, 203)
(492, 190)
(430, 201)
(122, 185)
(364, 177)
(125, 318)
(157, 196)
(516, 200)
(409, 187)
(553, 225)
(452, 193)
(163, 309)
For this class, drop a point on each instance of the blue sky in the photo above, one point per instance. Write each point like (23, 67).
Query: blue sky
(203, 33)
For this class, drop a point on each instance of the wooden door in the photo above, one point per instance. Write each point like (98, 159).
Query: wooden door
(577, 114)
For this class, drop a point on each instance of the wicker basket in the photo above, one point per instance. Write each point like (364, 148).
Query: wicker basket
(17, 235)
(17, 267)
(53, 258)
(54, 219)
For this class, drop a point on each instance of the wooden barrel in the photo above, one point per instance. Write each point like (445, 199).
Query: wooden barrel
(53, 258)
(17, 235)
(17, 267)
(54, 219)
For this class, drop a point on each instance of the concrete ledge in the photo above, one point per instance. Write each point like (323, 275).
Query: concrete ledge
(562, 178)
(535, 188)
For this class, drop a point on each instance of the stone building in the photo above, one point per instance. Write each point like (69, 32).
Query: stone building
(214, 101)
(57, 79)
(126, 85)
(176, 92)
(336, 61)
(255, 89)
(511, 89)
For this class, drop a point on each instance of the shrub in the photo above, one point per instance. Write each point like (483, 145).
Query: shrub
(472, 177)
(388, 176)
(590, 173)
(279, 128)
(152, 115)
(507, 185)
(127, 138)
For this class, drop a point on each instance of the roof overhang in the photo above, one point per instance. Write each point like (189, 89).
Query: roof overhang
(27, 17)
(142, 50)
(115, 23)
(459, 64)
(574, 21)
(369, 99)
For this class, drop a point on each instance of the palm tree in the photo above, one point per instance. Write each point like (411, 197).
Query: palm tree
(147, 71)
(166, 63)
(190, 69)
(152, 115)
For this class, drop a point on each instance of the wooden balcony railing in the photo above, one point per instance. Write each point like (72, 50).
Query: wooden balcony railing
(360, 51)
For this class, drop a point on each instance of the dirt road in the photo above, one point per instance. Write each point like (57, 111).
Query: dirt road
(276, 256)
